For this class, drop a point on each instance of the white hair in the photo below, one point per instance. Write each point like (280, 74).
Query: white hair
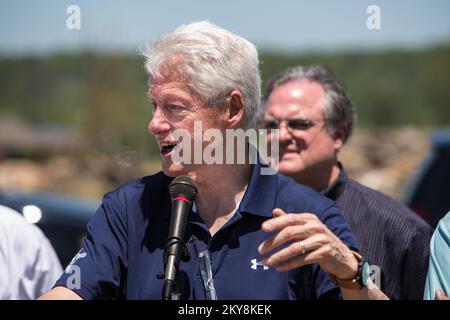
(213, 62)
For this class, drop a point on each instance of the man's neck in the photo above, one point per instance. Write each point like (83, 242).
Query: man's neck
(215, 203)
(335, 170)
(321, 178)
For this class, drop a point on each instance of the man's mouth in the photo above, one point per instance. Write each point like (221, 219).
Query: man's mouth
(288, 151)
(166, 148)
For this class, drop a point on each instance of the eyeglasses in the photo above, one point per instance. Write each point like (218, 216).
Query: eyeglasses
(293, 124)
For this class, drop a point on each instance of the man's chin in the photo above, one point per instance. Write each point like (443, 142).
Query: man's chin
(173, 172)
(289, 169)
(175, 169)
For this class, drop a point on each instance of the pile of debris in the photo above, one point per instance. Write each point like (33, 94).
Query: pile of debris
(384, 160)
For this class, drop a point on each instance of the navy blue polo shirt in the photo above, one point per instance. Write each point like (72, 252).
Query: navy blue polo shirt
(123, 250)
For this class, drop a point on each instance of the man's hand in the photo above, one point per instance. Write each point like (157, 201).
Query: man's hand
(308, 241)
(441, 296)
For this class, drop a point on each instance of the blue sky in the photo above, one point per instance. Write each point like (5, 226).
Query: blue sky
(39, 27)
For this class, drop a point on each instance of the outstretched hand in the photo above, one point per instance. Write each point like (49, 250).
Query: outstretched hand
(307, 241)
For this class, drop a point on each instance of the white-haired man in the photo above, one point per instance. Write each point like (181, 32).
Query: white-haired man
(200, 73)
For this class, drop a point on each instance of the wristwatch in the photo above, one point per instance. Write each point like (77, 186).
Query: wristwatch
(361, 278)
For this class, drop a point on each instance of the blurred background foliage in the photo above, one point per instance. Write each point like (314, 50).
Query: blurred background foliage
(101, 99)
(104, 96)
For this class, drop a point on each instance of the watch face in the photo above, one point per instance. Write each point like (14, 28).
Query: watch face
(365, 274)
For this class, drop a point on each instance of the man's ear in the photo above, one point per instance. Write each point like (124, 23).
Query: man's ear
(339, 137)
(235, 109)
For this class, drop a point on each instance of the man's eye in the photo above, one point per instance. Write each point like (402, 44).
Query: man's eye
(269, 125)
(299, 124)
(174, 107)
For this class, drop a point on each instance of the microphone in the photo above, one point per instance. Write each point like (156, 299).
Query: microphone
(182, 192)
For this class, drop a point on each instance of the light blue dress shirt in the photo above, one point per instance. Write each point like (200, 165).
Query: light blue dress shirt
(439, 269)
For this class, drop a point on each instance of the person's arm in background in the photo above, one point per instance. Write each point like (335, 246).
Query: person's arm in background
(321, 246)
(439, 272)
(29, 265)
(46, 265)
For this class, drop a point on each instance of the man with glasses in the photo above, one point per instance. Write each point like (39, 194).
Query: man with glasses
(315, 119)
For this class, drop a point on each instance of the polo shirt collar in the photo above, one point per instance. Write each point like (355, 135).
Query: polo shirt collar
(260, 197)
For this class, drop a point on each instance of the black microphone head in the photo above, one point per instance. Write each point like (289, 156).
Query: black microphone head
(183, 186)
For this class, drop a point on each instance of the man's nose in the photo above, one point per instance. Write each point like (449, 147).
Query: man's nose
(285, 134)
(159, 123)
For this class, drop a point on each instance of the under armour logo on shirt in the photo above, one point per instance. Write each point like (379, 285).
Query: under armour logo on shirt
(256, 263)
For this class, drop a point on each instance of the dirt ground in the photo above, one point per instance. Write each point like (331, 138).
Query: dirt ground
(384, 160)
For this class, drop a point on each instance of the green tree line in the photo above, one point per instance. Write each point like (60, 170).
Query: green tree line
(104, 95)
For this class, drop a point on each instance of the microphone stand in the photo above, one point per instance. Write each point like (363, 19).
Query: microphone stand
(175, 249)
(182, 191)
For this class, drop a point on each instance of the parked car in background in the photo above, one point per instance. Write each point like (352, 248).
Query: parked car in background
(62, 219)
(428, 193)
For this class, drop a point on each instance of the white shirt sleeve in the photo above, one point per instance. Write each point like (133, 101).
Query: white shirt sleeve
(29, 265)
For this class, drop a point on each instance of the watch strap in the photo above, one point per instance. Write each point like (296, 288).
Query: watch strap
(354, 282)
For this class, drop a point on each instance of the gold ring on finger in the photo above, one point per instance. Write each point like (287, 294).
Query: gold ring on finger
(303, 247)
